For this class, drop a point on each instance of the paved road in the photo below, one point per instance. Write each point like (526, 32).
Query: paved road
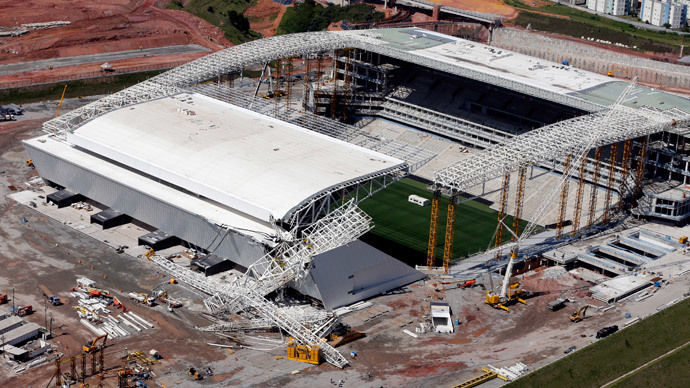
(98, 58)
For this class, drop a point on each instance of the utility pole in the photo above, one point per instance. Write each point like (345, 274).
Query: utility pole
(12, 300)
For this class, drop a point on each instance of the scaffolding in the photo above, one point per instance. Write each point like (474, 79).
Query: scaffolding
(595, 184)
(502, 211)
(433, 229)
(563, 203)
(578, 198)
(609, 184)
(450, 233)
(519, 200)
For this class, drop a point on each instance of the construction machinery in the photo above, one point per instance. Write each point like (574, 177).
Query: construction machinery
(579, 315)
(150, 253)
(511, 295)
(511, 292)
(30, 163)
(93, 345)
(3, 298)
(143, 298)
(54, 300)
(23, 311)
(165, 298)
(303, 353)
(194, 374)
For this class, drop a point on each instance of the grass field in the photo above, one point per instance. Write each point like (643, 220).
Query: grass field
(580, 23)
(622, 352)
(217, 12)
(401, 228)
(77, 88)
(662, 373)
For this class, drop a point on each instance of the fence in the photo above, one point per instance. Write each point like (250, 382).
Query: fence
(595, 59)
(86, 75)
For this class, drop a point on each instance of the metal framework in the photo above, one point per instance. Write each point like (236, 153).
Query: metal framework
(563, 204)
(609, 184)
(503, 209)
(641, 161)
(595, 184)
(433, 229)
(625, 163)
(450, 233)
(519, 200)
(256, 302)
(291, 260)
(234, 59)
(578, 199)
(552, 142)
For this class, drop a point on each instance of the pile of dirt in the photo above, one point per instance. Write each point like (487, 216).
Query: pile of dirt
(264, 16)
(101, 26)
(498, 7)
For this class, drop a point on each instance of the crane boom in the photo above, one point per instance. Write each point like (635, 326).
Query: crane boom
(581, 154)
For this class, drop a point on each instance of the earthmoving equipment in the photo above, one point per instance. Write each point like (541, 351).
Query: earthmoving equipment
(30, 163)
(579, 315)
(342, 334)
(150, 253)
(143, 298)
(194, 374)
(303, 353)
(92, 346)
(683, 240)
(23, 311)
(468, 283)
(3, 298)
(165, 298)
(118, 304)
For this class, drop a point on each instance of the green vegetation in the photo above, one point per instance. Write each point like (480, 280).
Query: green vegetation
(401, 228)
(622, 352)
(310, 16)
(224, 14)
(85, 87)
(670, 371)
(580, 23)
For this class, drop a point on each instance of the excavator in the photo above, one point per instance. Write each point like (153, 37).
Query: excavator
(91, 347)
(579, 315)
(149, 254)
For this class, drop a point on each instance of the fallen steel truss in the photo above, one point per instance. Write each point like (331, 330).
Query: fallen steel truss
(291, 260)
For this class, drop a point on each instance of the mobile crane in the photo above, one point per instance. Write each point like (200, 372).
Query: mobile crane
(511, 293)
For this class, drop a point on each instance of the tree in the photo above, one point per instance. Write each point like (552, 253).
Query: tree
(239, 21)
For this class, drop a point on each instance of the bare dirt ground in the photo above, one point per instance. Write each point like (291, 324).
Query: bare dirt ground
(497, 7)
(102, 26)
(264, 17)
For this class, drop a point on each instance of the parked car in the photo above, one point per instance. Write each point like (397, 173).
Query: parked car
(570, 349)
(14, 109)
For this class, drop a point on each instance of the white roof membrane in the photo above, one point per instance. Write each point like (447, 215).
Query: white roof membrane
(250, 162)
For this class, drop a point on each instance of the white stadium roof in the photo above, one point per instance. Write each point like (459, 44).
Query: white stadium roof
(255, 164)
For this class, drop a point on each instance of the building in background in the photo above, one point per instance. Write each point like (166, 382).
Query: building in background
(612, 7)
(664, 13)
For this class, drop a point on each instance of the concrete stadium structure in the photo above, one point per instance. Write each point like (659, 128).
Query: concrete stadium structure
(236, 176)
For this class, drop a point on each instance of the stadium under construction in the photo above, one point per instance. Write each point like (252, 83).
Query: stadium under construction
(268, 173)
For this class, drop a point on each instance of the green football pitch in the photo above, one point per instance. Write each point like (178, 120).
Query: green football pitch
(401, 228)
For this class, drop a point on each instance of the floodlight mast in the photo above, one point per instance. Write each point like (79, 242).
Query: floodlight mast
(567, 174)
